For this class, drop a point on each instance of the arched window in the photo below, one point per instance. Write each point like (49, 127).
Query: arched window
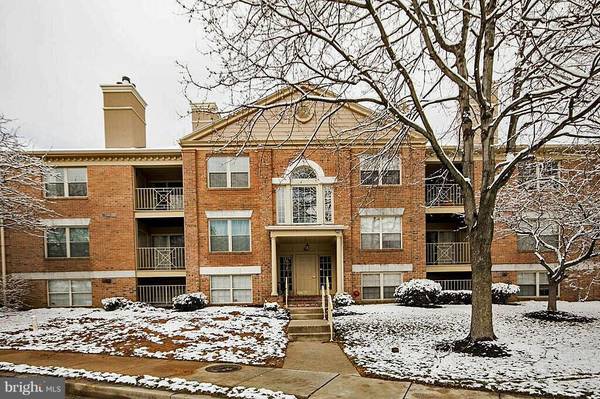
(303, 172)
(303, 197)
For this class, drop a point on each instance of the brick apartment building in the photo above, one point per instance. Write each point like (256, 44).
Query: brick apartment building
(149, 224)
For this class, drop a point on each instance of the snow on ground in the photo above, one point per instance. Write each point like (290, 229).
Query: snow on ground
(147, 381)
(547, 358)
(224, 334)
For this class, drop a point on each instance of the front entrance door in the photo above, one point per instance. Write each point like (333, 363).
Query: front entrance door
(305, 269)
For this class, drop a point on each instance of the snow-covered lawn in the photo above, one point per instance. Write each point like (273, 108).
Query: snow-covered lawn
(225, 334)
(546, 357)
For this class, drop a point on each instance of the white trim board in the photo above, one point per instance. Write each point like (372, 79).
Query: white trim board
(381, 211)
(382, 268)
(235, 214)
(66, 222)
(519, 267)
(75, 275)
(227, 270)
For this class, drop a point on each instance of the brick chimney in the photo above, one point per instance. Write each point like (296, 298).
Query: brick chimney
(124, 115)
(203, 113)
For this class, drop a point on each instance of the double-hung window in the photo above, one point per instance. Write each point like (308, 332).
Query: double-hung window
(380, 171)
(536, 175)
(533, 283)
(229, 235)
(67, 242)
(546, 231)
(66, 182)
(380, 285)
(381, 232)
(67, 293)
(231, 289)
(228, 172)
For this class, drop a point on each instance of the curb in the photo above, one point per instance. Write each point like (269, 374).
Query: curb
(109, 391)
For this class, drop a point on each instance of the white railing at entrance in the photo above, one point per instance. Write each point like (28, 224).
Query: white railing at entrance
(327, 310)
(160, 295)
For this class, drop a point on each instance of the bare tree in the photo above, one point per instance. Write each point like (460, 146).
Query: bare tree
(556, 213)
(476, 79)
(15, 293)
(21, 183)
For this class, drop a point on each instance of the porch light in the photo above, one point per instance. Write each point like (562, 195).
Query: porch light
(307, 247)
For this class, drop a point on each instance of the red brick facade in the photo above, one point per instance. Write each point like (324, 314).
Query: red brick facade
(115, 223)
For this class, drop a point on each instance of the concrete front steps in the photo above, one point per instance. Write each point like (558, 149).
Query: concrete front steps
(307, 324)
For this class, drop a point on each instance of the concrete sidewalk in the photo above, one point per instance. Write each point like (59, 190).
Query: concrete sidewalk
(318, 380)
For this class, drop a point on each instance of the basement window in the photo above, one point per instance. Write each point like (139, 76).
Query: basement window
(231, 289)
(69, 293)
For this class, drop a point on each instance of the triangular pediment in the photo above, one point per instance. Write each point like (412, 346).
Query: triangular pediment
(279, 120)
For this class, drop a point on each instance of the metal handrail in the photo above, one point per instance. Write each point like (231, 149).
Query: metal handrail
(286, 292)
(329, 309)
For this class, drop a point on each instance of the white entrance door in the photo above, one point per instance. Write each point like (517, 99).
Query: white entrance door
(306, 276)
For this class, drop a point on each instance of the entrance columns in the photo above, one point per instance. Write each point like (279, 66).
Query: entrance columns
(273, 266)
(339, 262)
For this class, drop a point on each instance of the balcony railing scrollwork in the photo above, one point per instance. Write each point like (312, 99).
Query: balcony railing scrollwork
(161, 258)
(443, 195)
(447, 253)
(159, 199)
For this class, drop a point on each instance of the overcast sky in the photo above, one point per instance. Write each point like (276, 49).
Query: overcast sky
(54, 54)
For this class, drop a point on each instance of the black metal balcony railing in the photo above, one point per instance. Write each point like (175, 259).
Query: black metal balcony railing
(447, 253)
(443, 195)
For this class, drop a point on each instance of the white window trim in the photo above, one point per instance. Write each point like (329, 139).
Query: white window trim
(382, 268)
(70, 292)
(380, 168)
(229, 270)
(381, 233)
(227, 173)
(231, 289)
(229, 214)
(381, 286)
(81, 222)
(229, 236)
(68, 242)
(66, 184)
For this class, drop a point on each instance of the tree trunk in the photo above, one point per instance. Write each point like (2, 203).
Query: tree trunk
(482, 328)
(552, 295)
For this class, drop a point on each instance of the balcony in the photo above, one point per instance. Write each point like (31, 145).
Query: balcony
(161, 258)
(159, 295)
(446, 194)
(447, 253)
(159, 199)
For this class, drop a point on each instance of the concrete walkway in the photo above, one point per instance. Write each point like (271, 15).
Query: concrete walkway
(312, 370)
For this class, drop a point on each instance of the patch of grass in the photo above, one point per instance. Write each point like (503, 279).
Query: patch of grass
(559, 316)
